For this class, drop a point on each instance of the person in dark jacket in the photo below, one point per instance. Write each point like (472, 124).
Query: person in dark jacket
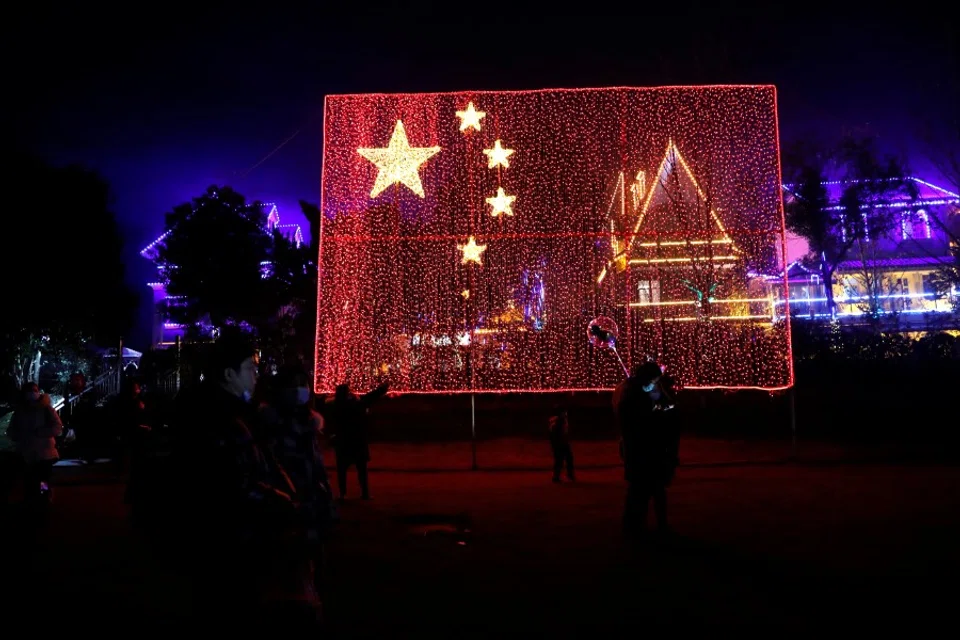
(294, 431)
(347, 423)
(233, 499)
(649, 443)
(34, 429)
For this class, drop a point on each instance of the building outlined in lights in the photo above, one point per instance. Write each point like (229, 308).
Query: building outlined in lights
(902, 261)
(673, 262)
(165, 333)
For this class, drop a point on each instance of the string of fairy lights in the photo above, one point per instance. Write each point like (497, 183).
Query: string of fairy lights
(469, 238)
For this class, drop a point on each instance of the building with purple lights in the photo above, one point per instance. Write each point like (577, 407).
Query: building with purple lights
(165, 333)
(888, 274)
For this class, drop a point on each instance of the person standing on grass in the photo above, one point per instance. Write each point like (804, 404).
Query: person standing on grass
(236, 505)
(649, 440)
(559, 424)
(347, 422)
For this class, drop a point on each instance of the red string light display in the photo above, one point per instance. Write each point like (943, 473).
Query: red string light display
(469, 238)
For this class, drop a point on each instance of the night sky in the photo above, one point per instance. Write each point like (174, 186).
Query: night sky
(166, 101)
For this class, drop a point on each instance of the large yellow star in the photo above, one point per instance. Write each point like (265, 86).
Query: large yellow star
(471, 251)
(398, 162)
(501, 203)
(498, 156)
(470, 118)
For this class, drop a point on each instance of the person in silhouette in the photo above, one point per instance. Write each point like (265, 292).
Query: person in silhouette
(34, 429)
(294, 431)
(347, 423)
(233, 499)
(559, 424)
(649, 442)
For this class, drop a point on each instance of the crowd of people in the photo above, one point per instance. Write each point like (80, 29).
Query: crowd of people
(246, 486)
(250, 478)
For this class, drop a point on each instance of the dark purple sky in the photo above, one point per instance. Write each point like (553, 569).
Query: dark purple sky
(166, 101)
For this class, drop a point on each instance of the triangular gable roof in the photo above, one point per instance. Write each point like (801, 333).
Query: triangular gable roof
(650, 205)
(928, 194)
(672, 160)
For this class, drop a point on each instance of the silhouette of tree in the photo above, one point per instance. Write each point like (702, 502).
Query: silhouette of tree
(312, 213)
(292, 283)
(832, 230)
(222, 268)
(213, 261)
(61, 255)
(946, 280)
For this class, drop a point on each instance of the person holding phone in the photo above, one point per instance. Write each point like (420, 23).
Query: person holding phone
(644, 409)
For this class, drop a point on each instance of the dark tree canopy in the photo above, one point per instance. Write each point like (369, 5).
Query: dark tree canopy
(312, 213)
(293, 279)
(222, 267)
(213, 261)
(61, 254)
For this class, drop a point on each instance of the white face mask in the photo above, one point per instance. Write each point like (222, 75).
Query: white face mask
(303, 395)
(647, 388)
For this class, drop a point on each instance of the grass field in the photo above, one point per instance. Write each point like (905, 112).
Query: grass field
(790, 548)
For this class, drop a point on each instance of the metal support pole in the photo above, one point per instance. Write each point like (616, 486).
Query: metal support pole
(119, 364)
(793, 422)
(179, 345)
(473, 430)
(626, 372)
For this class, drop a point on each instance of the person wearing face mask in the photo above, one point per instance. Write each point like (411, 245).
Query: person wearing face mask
(644, 407)
(294, 430)
(34, 428)
(231, 496)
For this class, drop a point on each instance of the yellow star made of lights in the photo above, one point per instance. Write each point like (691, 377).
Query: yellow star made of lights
(501, 203)
(470, 118)
(497, 156)
(471, 251)
(398, 162)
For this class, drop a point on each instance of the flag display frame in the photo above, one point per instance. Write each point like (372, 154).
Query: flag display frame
(468, 238)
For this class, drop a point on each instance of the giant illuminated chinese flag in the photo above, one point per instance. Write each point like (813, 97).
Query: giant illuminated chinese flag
(469, 238)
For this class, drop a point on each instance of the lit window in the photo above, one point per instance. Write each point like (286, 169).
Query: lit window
(648, 291)
(921, 225)
(915, 225)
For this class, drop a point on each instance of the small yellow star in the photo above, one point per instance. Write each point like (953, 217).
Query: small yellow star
(470, 118)
(398, 162)
(498, 156)
(501, 203)
(471, 251)
(466, 294)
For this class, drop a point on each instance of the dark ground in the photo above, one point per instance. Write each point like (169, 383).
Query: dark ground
(794, 547)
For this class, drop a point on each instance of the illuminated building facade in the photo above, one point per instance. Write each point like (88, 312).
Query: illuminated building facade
(890, 273)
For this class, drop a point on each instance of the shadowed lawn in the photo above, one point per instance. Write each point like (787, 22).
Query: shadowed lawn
(471, 554)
